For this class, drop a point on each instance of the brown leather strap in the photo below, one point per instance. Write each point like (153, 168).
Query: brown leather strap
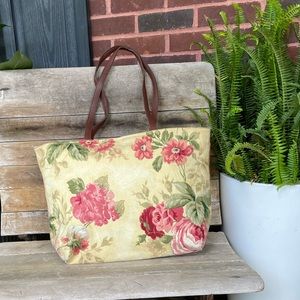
(99, 94)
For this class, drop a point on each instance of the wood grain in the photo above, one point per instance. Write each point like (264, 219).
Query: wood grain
(24, 211)
(24, 199)
(72, 127)
(52, 92)
(52, 33)
(33, 270)
(22, 154)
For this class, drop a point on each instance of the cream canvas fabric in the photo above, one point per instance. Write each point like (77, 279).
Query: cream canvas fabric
(140, 196)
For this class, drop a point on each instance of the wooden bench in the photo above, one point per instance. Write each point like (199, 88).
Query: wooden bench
(47, 104)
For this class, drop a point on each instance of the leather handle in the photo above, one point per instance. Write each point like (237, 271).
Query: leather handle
(100, 96)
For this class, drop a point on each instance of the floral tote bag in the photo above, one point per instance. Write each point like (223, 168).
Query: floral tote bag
(134, 197)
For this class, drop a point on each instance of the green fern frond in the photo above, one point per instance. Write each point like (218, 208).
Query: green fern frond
(264, 114)
(293, 163)
(238, 147)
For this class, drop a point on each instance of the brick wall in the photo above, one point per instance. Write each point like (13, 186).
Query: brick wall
(162, 30)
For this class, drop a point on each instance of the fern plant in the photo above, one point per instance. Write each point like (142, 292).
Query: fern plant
(255, 121)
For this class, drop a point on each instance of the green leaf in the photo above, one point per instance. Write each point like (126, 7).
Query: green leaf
(194, 135)
(155, 200)
(145, 191)
(76, 185)
(145, 204)
(195, 212)
(185, 189)
(185, 135)
(102, 182)
(165, 136)
(141, 239)
(205, 201)
(18, 61)
(178, 200)
(157, 164)
(195, 144)
(120, 207)
(107, 241)
(78, 152)
(54, 151)
(150, 133)
(166, 239)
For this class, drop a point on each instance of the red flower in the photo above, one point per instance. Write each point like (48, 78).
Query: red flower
(83, 245)
(143, 148)
(94, 204)
(90, 144)
(105, 146)
(147, 224)
(177, 151)
(163, 218)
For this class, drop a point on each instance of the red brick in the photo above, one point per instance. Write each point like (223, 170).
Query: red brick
(99, 47)
(183, 41)
(176, 3)
(294, 52)
(115, 25)
(144, 45)
(159, 59)
(156, 59)
(121, 6)
(214, 13)
(292, 34)
(97, 7)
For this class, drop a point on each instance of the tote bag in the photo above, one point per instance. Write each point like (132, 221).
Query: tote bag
(133, 197)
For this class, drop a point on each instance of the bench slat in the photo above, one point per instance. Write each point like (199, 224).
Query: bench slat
(15, 221)
(72, 127)
(31, 199)
(36, 272)
(70, 89)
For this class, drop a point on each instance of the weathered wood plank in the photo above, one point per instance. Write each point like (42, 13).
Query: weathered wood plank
(39, 273)
(24, 223)
(26, 213)
(26, 177)
(22, 153)
(50, 92)
(72, 127)
(29, 199)
(23, 199)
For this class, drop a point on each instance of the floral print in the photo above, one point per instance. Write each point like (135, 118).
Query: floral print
(77, 239)
(90, 144)
(147, 224)
(98, 146)
(164, 218)
(134, 197)
(94, 204)
(105, 146)
(177, 152)
(188, 237)
(143, 148)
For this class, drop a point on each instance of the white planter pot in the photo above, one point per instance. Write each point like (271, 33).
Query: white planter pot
(262, 224)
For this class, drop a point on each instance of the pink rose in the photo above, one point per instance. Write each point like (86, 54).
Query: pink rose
(94, 204)
(147, 224)
(164, 218)
(143, 148)
(177, 151)
(188, 237)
